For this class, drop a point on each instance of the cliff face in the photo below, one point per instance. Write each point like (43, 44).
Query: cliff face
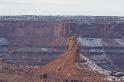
(42, 31)
(101, 38)
(30, 34)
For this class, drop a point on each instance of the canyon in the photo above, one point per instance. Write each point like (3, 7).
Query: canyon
(37, 40)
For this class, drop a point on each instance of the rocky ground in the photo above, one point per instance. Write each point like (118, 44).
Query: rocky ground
(13, 73)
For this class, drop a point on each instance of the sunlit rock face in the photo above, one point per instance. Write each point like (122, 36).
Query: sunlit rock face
(36, 40)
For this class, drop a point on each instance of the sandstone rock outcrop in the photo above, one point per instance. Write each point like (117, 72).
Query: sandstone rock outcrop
(72, 46)
(65, 67)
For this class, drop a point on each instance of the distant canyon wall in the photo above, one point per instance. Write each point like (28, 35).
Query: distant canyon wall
(20, 33)
(33, 33)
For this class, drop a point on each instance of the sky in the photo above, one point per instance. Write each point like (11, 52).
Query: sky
(62, 7)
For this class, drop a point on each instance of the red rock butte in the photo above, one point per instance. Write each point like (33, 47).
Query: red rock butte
(70, 67)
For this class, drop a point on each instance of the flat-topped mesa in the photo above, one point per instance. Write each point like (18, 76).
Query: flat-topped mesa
(72, 46)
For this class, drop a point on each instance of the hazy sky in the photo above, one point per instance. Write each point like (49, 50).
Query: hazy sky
(62, 7)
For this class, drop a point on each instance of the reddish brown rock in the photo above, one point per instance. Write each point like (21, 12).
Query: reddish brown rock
(64, 67)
